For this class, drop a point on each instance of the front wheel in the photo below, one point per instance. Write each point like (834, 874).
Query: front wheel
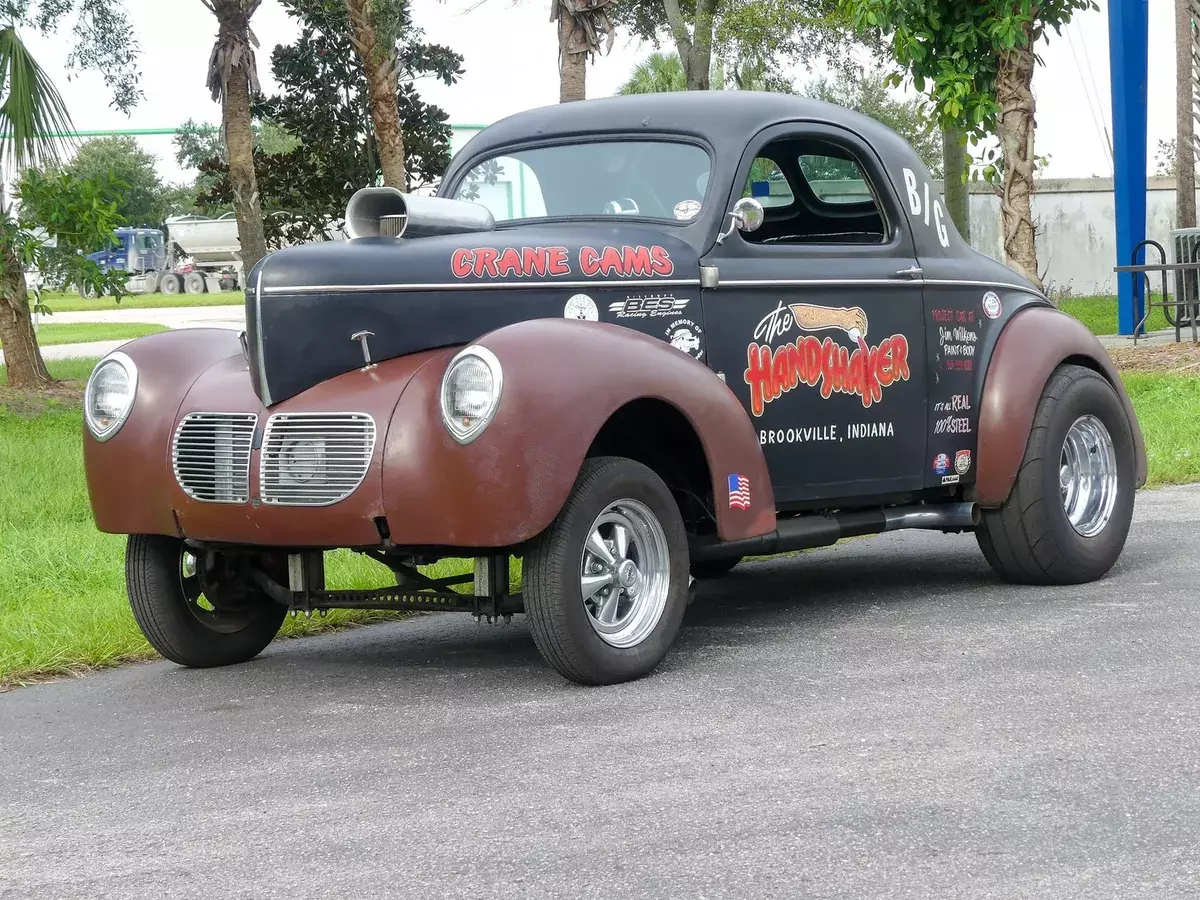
(1068, 514)
(197, 609)
(606, 585)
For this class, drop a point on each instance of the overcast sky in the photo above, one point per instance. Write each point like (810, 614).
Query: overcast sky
(509, 55)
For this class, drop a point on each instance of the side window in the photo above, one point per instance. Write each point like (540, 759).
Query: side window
(814, 191)
(835, 180)
(768, 184)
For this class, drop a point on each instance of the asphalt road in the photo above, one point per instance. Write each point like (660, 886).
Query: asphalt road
(878, 720)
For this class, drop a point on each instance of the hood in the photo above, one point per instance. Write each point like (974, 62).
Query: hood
(318, 310)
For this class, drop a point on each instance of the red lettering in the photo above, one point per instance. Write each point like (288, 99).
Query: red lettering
(485, 261)
(461, 261)
(556, 261)
(660, 261)
(758, 376)
(864, 371)
(589, 261)
(900, 357)
(510, 263)
(636, 260)
(534, 260)
(610, 261)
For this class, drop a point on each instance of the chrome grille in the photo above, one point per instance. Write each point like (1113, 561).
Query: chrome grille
(210, 454)
(314, 459)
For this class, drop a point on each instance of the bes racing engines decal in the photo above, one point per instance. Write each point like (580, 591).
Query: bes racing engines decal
(860, 369)
(525, 262)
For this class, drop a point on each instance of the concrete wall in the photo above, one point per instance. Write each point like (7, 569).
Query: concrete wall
(1077, 234)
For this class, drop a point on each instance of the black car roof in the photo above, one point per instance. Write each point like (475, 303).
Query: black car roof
(725, 119)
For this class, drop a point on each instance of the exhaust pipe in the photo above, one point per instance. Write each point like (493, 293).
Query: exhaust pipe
(386, 212)
(949, 517)
(807, 532)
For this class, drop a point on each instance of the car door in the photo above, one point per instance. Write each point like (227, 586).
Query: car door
(815, 320)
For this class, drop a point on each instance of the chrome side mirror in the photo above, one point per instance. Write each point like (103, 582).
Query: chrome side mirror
(747, 216)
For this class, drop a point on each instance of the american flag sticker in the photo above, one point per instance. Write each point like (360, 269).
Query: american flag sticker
(739, 492)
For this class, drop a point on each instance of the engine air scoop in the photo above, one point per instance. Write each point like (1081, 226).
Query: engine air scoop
(386, 212)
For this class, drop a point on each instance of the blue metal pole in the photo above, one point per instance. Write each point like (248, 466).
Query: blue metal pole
(1128, 45)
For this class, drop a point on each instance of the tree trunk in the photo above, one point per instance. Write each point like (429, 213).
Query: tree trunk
(379, 66)
(239, 149)
(572, 67)
(698, 73)
(22, 358)
(954, 166)
(1185, 133)
(1014, 93)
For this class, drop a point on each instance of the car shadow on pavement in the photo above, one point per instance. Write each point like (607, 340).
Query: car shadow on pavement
(840, 583)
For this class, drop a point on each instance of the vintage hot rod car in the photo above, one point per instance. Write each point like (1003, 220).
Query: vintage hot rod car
(632, 341)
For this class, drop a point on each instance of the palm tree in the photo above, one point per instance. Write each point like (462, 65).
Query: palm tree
(583, 25)
(657, 73)
(372, 31)
(662, 72)
(32, 113)
(232, 78)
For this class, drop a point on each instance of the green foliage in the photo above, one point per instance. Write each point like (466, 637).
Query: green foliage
(32, 108)
(102, 41)
(657, 73)
(323, 104)
(131, 173)
(752, 39)
(870, 95)
(62, 217)
(201, 147)
(951, 49)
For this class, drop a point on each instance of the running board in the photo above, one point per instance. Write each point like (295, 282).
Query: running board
(807, 532)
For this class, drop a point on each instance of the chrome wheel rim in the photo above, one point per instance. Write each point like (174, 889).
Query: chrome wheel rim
(1087, 476)
(625, 574)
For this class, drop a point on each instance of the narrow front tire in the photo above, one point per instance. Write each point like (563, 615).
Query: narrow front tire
(606, 585)
(195, 609)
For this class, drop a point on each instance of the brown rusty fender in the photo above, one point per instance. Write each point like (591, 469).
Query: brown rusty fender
(500, 490)
(1035, 341)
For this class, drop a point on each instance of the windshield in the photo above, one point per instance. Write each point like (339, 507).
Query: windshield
(659, 179)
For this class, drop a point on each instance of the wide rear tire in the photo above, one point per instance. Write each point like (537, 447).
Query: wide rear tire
(180, 621)
(1068, 515)
(619, 531)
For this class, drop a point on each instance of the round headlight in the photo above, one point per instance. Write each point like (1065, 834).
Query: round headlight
(109, 395)
(471, 393)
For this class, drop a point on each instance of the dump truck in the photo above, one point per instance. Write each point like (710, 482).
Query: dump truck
(194, 255)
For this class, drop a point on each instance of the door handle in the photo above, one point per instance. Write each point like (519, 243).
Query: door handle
(912, 272)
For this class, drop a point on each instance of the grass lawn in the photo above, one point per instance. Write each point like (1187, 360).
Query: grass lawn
(1099, 314)
(62, 595)
(66, 301)
(62, 583)
(83, 332)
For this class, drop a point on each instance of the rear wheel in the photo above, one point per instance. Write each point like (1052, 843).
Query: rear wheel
(1068, 514)
(170, 283)
(197, 610)
(193, 283)
(606, 584)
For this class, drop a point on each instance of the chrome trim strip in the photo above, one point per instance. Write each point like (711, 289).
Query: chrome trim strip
(819, 282)
(258, 336)
(472, 286)
(1008, 286)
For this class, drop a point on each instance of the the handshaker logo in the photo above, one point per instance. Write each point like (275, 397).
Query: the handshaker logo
(861, 369)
